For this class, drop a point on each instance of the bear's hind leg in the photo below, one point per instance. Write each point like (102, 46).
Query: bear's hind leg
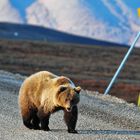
(27, 121)
(30, 118)
(35, 120)
(25, 110)
(71, 119)
(44, 119)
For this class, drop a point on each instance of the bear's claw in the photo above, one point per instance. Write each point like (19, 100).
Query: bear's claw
(46, 129)
(72, 131)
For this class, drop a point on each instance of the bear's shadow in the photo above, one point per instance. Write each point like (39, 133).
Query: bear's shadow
(103, 132)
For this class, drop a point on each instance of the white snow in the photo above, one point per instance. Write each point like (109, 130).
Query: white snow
(8, 13)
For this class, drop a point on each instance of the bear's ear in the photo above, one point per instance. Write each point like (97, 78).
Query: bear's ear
(62, 88)
(77, 89)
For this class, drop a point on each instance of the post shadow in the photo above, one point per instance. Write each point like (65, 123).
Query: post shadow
(112, 132)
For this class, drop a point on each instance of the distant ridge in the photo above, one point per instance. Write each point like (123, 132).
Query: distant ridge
(32, 32)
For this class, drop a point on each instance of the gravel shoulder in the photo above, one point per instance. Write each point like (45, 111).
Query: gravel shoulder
(100, 117)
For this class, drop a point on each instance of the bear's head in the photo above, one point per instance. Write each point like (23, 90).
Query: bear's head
(67, 94)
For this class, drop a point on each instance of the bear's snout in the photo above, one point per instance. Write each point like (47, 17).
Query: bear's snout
(69, 109)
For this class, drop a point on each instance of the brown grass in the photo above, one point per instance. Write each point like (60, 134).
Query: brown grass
(90, 66)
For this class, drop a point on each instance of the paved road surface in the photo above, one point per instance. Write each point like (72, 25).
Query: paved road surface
(100, 117)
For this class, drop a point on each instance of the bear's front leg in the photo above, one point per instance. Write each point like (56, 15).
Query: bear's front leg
(44, 119)
(71, 119)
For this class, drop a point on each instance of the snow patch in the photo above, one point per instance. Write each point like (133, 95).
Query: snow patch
(8, 13)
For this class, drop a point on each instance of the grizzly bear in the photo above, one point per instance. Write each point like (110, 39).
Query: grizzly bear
(44, 93)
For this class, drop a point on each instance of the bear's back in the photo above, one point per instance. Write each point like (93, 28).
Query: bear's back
(39, 78)
(42, 75)
(34, 85)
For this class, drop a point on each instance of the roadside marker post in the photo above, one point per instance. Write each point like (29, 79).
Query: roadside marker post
(122, 64)
(138, 12)
(139, 100)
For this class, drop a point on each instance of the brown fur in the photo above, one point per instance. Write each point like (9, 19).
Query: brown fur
(44, 93)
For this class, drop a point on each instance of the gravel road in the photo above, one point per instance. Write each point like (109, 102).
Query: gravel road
(100, 117)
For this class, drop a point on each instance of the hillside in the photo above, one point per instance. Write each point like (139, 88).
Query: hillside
(90, 66)
(38, 33)
(100, 117)
(115, 21)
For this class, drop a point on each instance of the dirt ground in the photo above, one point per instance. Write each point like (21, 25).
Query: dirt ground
(100, 117)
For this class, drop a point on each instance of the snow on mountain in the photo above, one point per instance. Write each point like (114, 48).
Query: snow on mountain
(76, 17)
(69, 16)
(38, 14)
(8, 13)
(113, 20)
(128, 21)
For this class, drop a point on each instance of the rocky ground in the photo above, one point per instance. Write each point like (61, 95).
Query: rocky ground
(100, 117)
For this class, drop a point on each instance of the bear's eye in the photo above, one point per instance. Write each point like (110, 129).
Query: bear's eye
(63, 89)
(66, 100)
(72, 101)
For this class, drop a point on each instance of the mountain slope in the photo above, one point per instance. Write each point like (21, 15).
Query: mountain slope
(29, 32)
(106, 20)
(113, 20)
